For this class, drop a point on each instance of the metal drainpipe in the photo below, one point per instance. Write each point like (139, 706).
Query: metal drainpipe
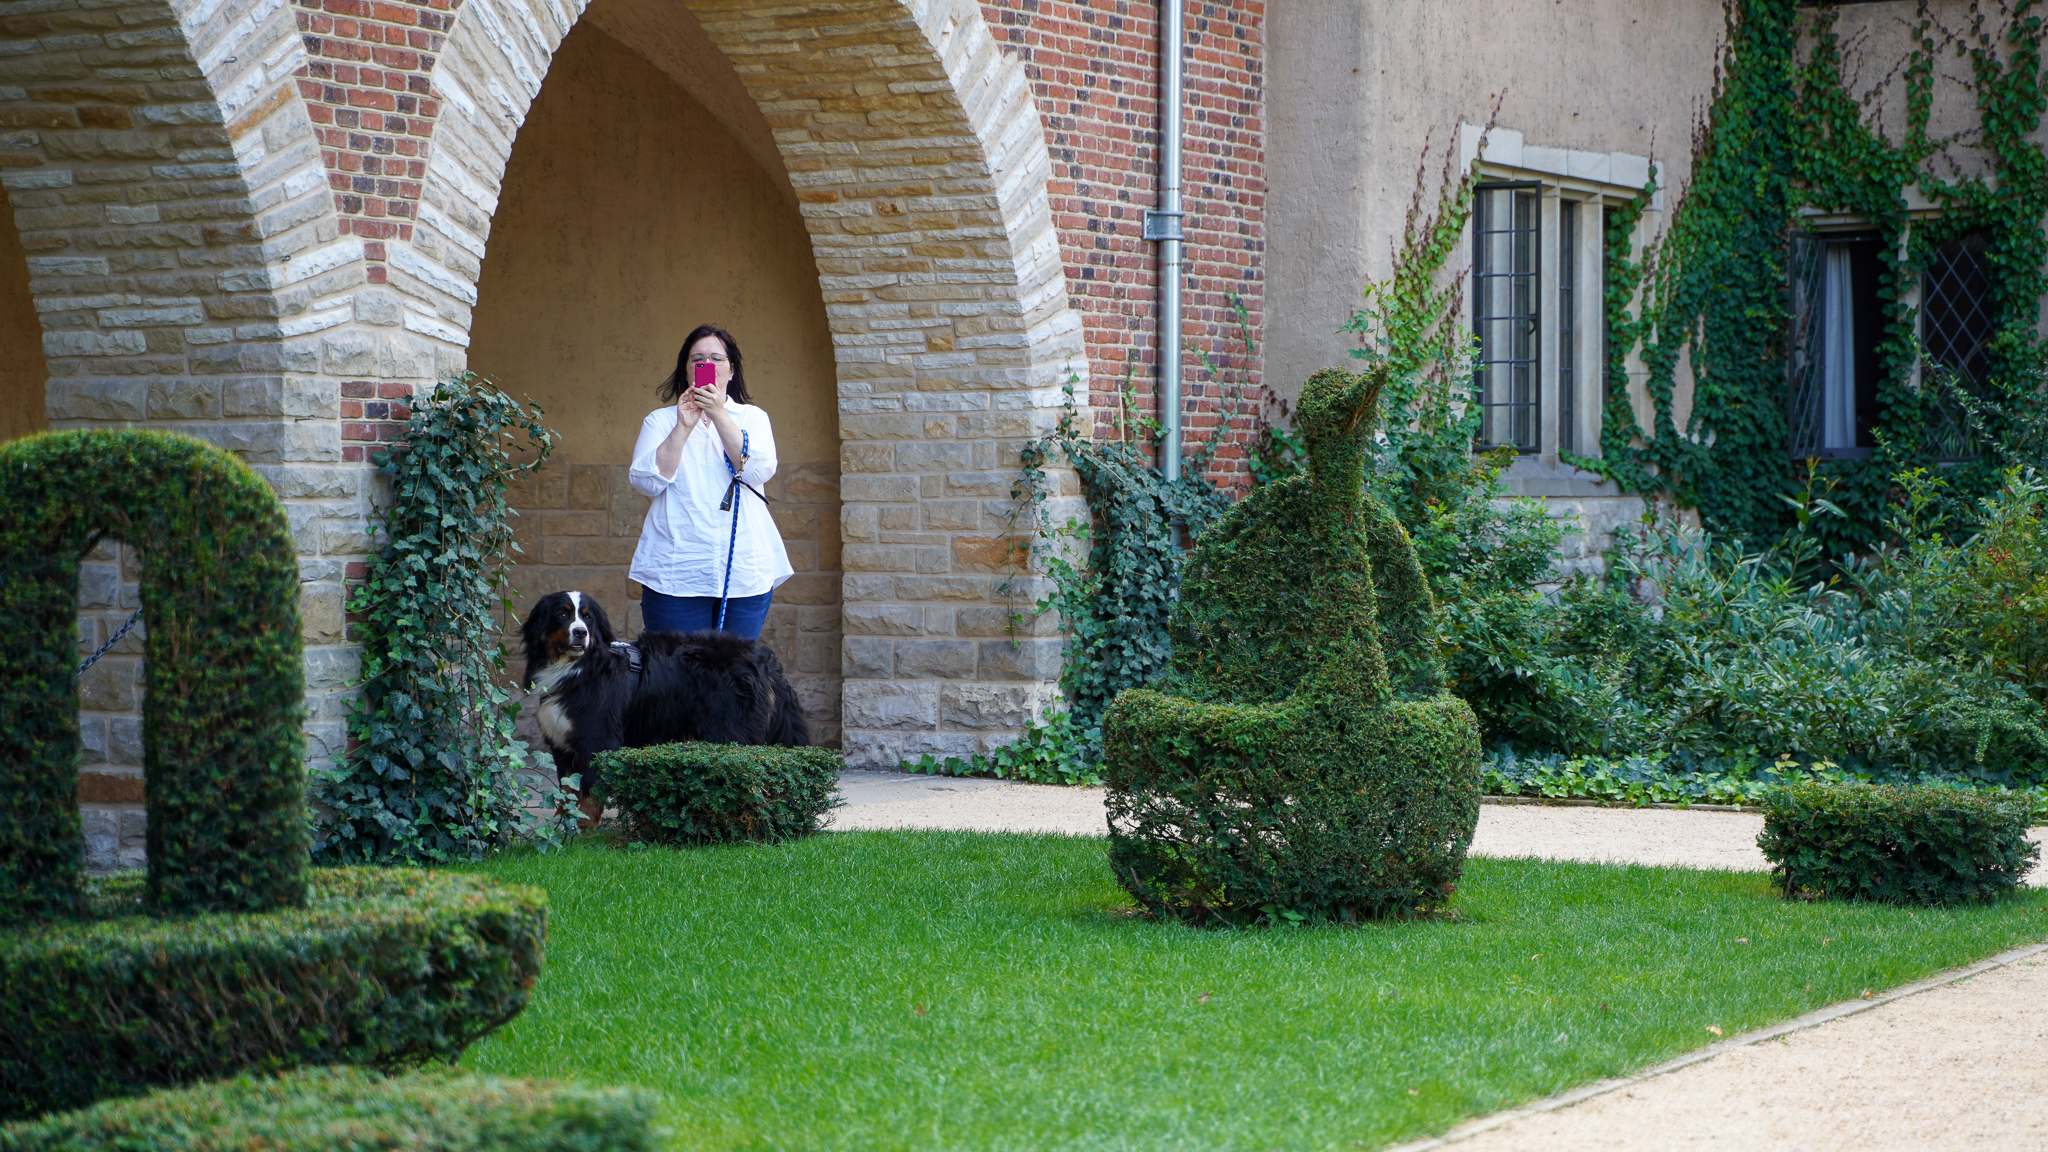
(1163, 226)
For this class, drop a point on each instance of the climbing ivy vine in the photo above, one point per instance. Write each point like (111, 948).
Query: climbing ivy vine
(1784, 134)
(432, 776)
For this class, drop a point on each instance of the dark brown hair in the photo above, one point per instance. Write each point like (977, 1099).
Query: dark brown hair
(679, 380)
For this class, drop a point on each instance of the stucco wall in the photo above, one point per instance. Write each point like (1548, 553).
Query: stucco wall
(22, 370)
(630, 215)
(1357, 89)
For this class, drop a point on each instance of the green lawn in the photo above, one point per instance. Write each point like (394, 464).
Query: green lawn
(927, 990)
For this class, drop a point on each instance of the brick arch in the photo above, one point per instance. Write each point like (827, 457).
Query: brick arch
(920, 166)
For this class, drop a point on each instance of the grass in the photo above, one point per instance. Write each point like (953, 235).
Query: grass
(932, 990)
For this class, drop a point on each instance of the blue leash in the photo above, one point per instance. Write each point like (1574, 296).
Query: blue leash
(732, 493)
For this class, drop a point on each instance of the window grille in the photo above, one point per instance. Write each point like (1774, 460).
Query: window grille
(1803, 366)
(1567, 313)
(1506, 313)
(1956, 327)
(1833, 367)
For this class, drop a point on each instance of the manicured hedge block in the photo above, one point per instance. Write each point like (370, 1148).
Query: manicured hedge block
(709, 793)
(383, 967)
(1906, 845)
(225, 683)
(1302, 761)
(352, 1110)
(1231, 814)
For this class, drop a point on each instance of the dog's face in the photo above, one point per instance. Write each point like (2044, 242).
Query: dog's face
(563, 626)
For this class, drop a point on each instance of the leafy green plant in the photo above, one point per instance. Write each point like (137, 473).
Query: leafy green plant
(1784, 133)
(1926, 845)
(433, 775)
(382, 966)
(225, 679)
(351, 1110)
(711, 793)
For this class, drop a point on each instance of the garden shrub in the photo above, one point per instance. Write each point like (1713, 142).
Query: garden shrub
(222, 748)
(1907, 845)
(710, 793)
(382, 967)
(351, 1110)
(1302, 761)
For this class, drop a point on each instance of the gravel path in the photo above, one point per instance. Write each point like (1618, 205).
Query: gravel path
(1963, 1065)
(1688, 839)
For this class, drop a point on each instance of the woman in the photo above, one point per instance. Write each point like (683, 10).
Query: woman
(692, 553)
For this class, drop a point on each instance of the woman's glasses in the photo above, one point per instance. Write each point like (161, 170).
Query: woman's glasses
(707, 359)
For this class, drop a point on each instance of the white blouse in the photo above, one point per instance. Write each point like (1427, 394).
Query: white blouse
(683, 541)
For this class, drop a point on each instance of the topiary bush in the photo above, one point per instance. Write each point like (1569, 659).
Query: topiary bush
(224, 684)
(1898, 844)
(710, 793)
(383, 967)
(349, 1110)
(1302, 760)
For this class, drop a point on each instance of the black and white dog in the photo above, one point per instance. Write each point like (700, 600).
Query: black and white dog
(598, 694)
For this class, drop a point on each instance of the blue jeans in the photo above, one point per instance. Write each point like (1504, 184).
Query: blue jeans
(744, 615)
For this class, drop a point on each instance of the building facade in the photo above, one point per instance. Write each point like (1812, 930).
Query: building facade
(271, 224)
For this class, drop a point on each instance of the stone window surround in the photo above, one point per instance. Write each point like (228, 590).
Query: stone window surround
(1598, 180)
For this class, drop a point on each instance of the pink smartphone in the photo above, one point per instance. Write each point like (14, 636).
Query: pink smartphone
(703, 375)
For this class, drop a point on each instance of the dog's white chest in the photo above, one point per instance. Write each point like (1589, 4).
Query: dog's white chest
(556, 726)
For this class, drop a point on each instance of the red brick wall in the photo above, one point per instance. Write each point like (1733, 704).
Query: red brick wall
(1094, 66)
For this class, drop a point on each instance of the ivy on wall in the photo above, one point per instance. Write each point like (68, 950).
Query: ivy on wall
(432, 775)
(1783, 133)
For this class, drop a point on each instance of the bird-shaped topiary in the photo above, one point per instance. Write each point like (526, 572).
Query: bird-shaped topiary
(1302, 759)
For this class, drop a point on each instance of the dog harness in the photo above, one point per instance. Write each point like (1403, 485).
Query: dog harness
(632, 656)
(731, 501)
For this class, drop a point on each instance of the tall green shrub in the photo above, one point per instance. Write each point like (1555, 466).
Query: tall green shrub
(433, 776)
(222, 748)
(1302, 760)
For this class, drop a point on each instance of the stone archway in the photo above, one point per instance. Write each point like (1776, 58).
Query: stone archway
(919, 164)
(177, 235)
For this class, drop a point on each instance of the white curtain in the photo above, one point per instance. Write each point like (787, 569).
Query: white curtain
(1838, 352)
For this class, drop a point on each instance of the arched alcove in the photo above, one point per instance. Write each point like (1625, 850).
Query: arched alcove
(630, 213)
(23, 372)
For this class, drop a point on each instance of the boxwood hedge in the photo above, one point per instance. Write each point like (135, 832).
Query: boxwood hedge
(224, 686)
(383, 967)
(351, 1110)
(1906, 845)
(1301, 761)
(708, 793)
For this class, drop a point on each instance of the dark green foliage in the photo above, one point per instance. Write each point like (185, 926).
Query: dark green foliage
(1114, 607)
(350, 1110)
(1910, 845)
(384, 967)
(434, 774)
(222, 746)
(1302, 760)
(1784, 134)
(712, 793)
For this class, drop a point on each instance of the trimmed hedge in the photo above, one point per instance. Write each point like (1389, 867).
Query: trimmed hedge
(384, 967)
(710, 793)
(225, 682)
(1905, 845)
(1302, 762)
(350, 1110)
